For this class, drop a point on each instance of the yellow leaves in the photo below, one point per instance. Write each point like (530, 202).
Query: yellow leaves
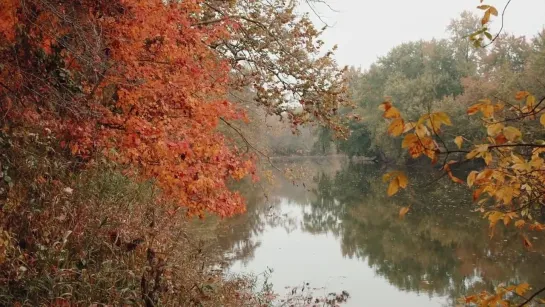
(421, 130)
(494, 129)
(493, 218)
(403, 211)
(435, 120)
(530, 101)
(520, 164)
(485, 106)
(489, 10)
(396, 127)
(389, 110)
(419, 145)
(441, 117)
(478, 151)
(397, 180)
(458, 141)
(409, 140)
(486, 18)
(520, 223)
(508, 217)
(512, 133)
(500, 297)
(471, 178)
(542, 119)
(408, 127)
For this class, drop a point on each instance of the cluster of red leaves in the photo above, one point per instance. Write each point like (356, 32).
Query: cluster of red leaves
(131, 80)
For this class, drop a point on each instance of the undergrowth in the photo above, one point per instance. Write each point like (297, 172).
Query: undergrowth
(74, 233)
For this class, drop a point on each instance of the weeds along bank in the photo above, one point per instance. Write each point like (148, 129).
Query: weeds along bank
(73, 235)
(111, 115)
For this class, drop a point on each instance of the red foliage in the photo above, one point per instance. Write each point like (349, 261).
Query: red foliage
(131, 80)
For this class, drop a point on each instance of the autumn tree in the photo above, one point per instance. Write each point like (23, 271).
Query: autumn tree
(510, 188)
(145, 83)
(277, 53)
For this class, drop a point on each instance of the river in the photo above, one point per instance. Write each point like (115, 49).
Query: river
(332, 228)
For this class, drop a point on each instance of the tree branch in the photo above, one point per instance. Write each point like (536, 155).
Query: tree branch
(532, 297)
(502, 25)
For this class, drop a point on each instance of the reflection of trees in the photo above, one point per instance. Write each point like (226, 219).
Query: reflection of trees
(440, 248)
(238, 235)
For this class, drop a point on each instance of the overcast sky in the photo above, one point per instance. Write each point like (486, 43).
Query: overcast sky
(366, 29)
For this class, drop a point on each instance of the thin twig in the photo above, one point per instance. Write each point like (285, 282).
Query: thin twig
(532, 297)
(502, 24)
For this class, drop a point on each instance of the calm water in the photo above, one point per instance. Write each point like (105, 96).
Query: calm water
(336, 230)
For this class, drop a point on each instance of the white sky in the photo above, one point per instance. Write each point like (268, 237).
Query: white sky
(367, 29)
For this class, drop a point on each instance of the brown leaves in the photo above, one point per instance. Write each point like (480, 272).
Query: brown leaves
(527, 244)
(488, 11)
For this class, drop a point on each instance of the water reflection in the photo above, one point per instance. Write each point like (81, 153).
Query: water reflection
(340, 231)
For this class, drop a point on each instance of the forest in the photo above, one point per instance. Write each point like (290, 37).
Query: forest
(131, 131)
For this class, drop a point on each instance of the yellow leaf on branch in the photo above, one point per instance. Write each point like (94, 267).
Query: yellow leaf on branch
(512, 133)
(396, 127)
(458, 141)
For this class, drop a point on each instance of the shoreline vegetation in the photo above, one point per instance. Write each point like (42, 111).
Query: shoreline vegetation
(122, 122)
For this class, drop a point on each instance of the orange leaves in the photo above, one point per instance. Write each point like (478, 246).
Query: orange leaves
(500, 297)
(420, 142)
(521, 289)
(474, 109)
(520, 95)
(447, 169)
(513, 175)
(419, 145)
(397, 180)
(157, 112)
(486, 107)
(8, 18)
(403, 211)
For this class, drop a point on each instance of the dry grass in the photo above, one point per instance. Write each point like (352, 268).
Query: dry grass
(86, 234)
